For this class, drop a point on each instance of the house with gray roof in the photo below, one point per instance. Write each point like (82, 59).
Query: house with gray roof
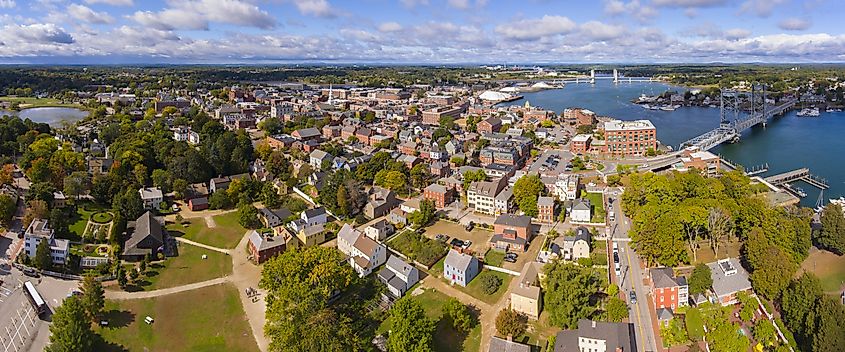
(729, 278)
(597, 336)
(147, 237)
(460, 268)
(398, 276)
(581, 211)
(498, 344)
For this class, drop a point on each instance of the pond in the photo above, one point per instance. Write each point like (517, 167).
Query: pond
(52, 116)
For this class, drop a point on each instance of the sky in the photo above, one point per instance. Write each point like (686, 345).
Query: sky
(420, 31)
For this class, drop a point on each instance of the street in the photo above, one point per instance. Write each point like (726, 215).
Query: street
(632, 278)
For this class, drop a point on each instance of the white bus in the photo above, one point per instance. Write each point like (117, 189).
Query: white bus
(35, 298)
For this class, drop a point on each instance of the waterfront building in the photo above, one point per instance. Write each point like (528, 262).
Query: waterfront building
(629, 138)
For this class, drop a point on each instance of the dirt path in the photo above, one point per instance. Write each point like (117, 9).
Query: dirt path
(166, 291)
(246, 275)
(203, 245)
(209, 221)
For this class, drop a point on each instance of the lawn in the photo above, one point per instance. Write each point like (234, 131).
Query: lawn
(206, 319)
(599, 253)
(597, 201)
(102, 217)
(227, 234)
(187, 268)
(80, 219)
(445, 337)
(829, 267)
(32, 102)
(494, 257)
(474, 286)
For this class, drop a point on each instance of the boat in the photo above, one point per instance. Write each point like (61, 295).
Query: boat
(829, 110)
(667, 108)
(809, 112)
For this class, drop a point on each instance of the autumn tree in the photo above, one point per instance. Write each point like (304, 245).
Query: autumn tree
(510, 323)
(526, 190)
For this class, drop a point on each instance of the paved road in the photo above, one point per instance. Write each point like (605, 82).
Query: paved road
(632, 274)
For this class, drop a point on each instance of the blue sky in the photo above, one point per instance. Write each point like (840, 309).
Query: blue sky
(420, 31)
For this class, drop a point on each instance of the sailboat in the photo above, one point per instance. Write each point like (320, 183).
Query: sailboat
(820, 202)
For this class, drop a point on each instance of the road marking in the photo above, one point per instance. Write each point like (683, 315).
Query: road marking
(636, 306)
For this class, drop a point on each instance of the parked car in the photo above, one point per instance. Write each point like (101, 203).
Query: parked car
(510, 257)
(456, 243)
(31, 272)
(617, 269)
(633, 297)
(466, 245)
(470, 226)
(441, 237)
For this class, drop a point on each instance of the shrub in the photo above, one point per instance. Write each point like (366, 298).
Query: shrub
(489, 283)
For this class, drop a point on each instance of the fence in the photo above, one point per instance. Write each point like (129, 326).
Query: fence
(501, 270)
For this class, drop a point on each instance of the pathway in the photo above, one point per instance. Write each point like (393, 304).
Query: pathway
(166, 291)
(209, 221)
(188, 214)
(203, 245)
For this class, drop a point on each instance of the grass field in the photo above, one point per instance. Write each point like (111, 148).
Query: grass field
(599, 253)
(227, 234)
(474, 286)
(206, 319)
(829, 267)
(31, 102)
(597, 201)
(494, 258)
(83, 213)
(187, 268)
(446, 339)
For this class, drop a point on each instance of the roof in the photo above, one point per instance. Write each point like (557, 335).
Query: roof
(307, 132)
(146, 227)
(319, 154)
(486, 188)
(665, 314)
(458, 260)
(665, 277)
(436, 188)
(527, 282)
(513, 220)
(366, 245)
(150, 193)
(618, 125)
(614, 334)
(361, 262)
(501, 238)
(398, 265)
(501, 345)
(728, 277)
(581, 234)
(264, 241)
(310, 213)
(582, 204)
(545, 202)
(348, 234)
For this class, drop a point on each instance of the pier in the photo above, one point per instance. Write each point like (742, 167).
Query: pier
(802, 174)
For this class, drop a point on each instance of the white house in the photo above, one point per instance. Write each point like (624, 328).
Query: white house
(363, 253)
(398, 276)
(566, 187)
(37, 231)
(183, 134)
(460, 268)
(317, 157)
(151, 196)
(581, 211)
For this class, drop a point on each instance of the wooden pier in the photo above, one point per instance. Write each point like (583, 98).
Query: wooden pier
(802, 174)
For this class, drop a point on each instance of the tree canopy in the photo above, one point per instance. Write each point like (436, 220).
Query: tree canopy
(568, 293)
(526, 190)
(412, 329)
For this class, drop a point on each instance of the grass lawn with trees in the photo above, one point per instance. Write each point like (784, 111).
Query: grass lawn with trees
(227, 234)
(474, 288)
(206, 319)
(32, 102)
(828, 267)
(186, 268)
(418, 247)
(84, 211)
(446, 338)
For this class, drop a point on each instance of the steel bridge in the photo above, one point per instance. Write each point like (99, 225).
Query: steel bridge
(730, 129)
(616, 78)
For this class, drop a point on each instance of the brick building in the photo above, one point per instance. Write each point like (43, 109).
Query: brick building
(630, 138)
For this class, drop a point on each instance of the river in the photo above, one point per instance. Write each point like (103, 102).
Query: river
(787, 143)
(51, 116)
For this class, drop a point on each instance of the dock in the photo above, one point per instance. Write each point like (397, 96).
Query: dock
(802, 174)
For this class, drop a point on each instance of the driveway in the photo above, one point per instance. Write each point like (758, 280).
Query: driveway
(480, 237)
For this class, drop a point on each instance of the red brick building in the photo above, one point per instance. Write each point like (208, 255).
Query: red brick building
(438, 194)
(668, 291)
(546, 209)
(580, 144)
(433, 116)
(490, 125)
(630, 138)
(579, 117)
(263, 246)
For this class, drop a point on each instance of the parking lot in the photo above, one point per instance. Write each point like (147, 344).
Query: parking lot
(480, 237)
(551, 162)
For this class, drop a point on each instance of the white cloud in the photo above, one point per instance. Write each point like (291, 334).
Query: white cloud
(601, 31)
(359, 34)
(712, 31)
(84, 13)
(111, 2)
(689, 3)
(319, 8)
(39, 33)
(761, 8)
(634, 8)
(7, 4)
(414, 3)
(736, 34)
(463, 4)
(390, 27)
(794, 24)
(196, 15)
(536, 28)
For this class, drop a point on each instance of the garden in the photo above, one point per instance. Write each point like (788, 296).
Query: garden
(205, 319)
(418, 247)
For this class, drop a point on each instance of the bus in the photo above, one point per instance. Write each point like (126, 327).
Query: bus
(35, 298)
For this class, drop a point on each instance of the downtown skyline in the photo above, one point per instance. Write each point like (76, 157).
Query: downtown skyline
(419, 31)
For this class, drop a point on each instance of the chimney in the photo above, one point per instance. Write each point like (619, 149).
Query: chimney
(510, 338)
(594, 323)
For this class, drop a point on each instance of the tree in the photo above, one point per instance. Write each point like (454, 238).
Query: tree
(180, 186)
(567, 294)
(764, 332)
(43, 258)
(133, 274)
(71, 329)
(77, 184)
(616, 309)
(420, 174)
(36, 209)
(832, 234)
(719, 226)
(796, 302)
(93, 297)
(7, 209)
(219, 200)
(526, 190)
(299, 284)
(473, 176)
(458, 314)
(614, 180)
(412, 329)
(121, 277)
(161, 179)
(342, 201)
(423, 216)
(771, 268)
(693, 219)
(510, 323)
(489, 283)
(700, 280)
(129, 204)
(826, 323)
(248, 215)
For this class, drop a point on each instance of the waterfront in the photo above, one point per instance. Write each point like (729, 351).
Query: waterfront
(49, 115)
(787, 143)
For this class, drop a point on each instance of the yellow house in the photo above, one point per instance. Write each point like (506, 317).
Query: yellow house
(311, 235)
(527, 298)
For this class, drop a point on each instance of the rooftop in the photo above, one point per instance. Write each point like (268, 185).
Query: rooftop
(619, 125)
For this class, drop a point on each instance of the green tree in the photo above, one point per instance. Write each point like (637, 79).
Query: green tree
(616, 309)
(7, 209)
(43, 258)
(472, 176)
(458, 314)
(77, 184)
(764, 333)
(694, 324)
(179, 187)
(771, 268)
(700, 280)
(423, 216)
(248, 215)
(162, 179)
(420, 176)
(796, 302)
(93, 297)
(71, 328)
(129, 204)
(568, 292)
(121, 277)
(511, 323)
(826, 323)
(219, 200)
(412, 329)
(342, 201)
(526, 190)
(832, 234)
